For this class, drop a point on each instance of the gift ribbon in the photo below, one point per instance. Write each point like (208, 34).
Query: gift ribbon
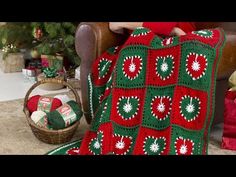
(50, 72)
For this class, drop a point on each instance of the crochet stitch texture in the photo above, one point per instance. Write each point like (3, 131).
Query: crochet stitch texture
(154, 96)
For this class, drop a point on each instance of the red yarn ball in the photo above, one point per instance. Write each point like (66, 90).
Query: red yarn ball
(56, 103)
(32, 103)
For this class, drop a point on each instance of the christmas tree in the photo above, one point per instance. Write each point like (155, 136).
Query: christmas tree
(15, 36)
(51, 38)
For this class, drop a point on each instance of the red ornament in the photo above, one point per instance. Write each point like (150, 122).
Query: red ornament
(38, 33)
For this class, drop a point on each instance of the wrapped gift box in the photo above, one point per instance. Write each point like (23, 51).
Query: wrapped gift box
(14, 62)
(52, 61)
(33, 62)
(29, 72)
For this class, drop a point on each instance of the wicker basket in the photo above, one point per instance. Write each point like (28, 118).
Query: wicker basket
(51, 86)
(51, 136)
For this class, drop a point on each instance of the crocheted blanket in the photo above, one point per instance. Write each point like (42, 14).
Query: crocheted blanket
(154, 96)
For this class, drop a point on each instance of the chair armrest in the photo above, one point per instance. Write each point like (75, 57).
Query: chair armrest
(227, 64)
(91, 40)
(96, 36)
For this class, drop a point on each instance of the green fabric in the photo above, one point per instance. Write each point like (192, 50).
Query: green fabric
(157, 90)
(160, 99)
(64, 150)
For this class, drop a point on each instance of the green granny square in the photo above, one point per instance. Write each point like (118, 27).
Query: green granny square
(157, 108)
(196, 65)
(131, 67)
(186, 142)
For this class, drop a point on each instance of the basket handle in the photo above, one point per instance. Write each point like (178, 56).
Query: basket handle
(51, 80)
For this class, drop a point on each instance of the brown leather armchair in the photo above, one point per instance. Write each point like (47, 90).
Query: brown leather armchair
(93, 38)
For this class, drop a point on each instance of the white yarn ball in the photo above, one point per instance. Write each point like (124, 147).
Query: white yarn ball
(64, 98)
(37, 115)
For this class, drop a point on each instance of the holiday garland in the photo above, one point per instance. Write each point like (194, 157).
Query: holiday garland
(154, 96)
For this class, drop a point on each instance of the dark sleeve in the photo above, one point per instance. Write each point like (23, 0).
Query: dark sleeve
(160, 28)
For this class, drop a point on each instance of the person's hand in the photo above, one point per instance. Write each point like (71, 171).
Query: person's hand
(177, 32)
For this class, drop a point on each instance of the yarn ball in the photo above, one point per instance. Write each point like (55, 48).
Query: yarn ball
(57, 121)
(32, 103)
(37, 115)
(64, 98)
(40, 119)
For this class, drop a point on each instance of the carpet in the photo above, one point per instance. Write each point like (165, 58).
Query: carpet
(16, 137)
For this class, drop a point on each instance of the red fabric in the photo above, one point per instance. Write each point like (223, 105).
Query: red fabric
(96, 68)
(229, 131)
(140, 40)
(145, 133)
(116, 116)
(106, 129)
(32, 103)
(85, 145)
(156, 80)
(127, 144)
(178, 118)
(165, 28)
(73, 151)
(215, 34)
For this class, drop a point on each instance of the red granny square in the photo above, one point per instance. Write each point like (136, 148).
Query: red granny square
(163, 65)
(189, 108)
(152, 142)
(127, 106)
(121, 145)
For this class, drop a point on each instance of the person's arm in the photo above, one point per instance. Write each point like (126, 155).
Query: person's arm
(116, 26)
(162, 28)
(170, 28)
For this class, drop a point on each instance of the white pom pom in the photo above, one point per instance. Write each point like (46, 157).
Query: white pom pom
(37, 115)
(63, 98)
